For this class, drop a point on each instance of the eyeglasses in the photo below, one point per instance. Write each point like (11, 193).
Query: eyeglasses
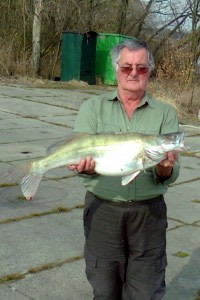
(141, 70)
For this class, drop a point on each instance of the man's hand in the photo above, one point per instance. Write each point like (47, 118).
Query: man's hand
(164, 168)
(85, 166)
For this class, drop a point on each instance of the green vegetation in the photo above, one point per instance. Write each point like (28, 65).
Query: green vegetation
(2, 185)
(11, 277)
(196, 201)
(18, 276)
(53, 265)
(21, 198)
(198, 295)
(181, 254)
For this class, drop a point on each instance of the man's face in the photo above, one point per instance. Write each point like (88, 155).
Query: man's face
(133, 70)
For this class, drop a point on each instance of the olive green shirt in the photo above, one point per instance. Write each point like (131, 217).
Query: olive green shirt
(105, 113)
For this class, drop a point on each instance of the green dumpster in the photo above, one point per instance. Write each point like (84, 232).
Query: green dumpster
(104, 69)
(78, 56)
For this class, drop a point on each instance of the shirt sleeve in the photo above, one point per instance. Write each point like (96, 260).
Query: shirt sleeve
(170, 124)
(170, 121)
(87, 123)
(86, 120)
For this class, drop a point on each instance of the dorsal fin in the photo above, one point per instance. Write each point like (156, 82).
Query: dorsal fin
(65, 140)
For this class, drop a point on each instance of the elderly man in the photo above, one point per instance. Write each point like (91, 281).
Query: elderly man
(125, 226)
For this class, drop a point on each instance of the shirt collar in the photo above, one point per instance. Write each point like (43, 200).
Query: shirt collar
(145, 99)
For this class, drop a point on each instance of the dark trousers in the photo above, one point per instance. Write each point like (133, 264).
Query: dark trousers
(125, 248)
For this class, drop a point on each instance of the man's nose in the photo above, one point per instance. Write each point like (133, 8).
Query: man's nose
(133, 72)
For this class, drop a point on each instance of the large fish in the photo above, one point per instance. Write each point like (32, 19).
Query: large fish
(115, 154)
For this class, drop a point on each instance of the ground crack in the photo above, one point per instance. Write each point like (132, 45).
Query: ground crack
(56, 210)
(49, 266)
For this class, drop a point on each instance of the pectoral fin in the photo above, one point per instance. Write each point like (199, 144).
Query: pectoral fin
(128, 178)
(153, 153)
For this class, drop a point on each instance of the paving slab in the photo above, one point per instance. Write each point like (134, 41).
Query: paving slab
(172, 224)
(3, 168)
(39, 241)
(31, 134)
(190, 129)
(71, 100)
(63, 120)
(51, 194)
(29, 108)
(179, 202)
(6, 116)
(67, 282)
(193, 142)
(22, 123)
(19, 91)
(190, 169)
(182, 276)
(6, 292)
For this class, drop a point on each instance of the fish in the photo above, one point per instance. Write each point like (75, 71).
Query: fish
(115, 154)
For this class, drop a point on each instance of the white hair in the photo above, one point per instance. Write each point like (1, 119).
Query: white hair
(131, 44)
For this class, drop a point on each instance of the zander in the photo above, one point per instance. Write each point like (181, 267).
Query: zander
(115, 154)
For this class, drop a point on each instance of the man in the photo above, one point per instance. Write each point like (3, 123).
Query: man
(125, 226)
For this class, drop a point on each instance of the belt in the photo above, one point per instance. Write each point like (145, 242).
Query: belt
(132, 202)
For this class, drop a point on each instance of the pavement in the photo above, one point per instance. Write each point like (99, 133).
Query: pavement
(41, 251)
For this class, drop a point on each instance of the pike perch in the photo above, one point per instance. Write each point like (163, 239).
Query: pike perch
(115, 154)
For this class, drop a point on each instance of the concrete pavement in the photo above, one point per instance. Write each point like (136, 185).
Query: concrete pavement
(42, 240)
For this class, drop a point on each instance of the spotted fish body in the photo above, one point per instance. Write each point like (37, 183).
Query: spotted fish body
(115, 154)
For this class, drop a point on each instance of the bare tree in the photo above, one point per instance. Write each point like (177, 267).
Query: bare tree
(195, 42)
(36, 37)
(143, 17)
(123, 7)
(162, 42)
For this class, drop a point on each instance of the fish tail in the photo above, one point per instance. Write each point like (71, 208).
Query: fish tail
(29, 184)
(27, 176)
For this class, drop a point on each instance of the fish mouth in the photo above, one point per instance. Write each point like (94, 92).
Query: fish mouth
(176, 140)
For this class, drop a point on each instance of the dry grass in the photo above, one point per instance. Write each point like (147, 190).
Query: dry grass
(178, 96)
(14, 61)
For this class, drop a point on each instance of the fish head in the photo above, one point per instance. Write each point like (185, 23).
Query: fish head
(158, 148)
(172, 142)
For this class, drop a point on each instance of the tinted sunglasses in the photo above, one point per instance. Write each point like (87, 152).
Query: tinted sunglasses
(141, 70)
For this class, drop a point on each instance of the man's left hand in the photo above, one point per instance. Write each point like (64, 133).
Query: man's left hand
(164, 168)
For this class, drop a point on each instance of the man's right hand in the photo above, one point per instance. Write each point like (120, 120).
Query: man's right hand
(86, 166)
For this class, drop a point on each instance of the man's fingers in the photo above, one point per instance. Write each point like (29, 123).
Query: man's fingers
(92, 164)
(170, 160)
(72, 167)
(81, 166)
(84, 165)
(171, 157)
(89, 164)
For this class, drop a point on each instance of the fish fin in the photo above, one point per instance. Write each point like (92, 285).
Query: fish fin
(15, 174)
(153, 154)
(29, 184)
(128, 178)
(143, 163)
(64, 141)
(24, 175)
